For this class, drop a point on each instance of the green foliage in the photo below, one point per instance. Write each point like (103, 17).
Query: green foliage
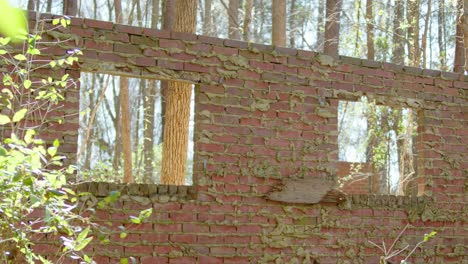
(27, 188)
(13, 22)
(34, 199)
(390, 252)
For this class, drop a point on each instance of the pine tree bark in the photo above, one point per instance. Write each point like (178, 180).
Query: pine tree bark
(279, 23)
(149, 111)
(413, 32)
(176, 132)
(459, 60)
(424, 36)
(167, 24)
(155, 14)
(320, 27)
(69, 7)
(332, 27)
(247, 20)
(125, 112)
(370, 30)
(49, 6)
(465, 33)
(398, 48)
(233, 22)
(292, 24)
(207, 18)
(440, 34)
(31, 5)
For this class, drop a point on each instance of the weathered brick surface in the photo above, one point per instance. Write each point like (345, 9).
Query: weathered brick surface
(264, 115)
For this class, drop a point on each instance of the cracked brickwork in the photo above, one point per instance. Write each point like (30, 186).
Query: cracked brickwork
(264, 115)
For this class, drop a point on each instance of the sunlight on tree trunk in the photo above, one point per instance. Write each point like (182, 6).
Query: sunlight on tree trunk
(279, 23)
(176, 131)
(247, 20)
(233, 24)
(413, 33)
(398, 48)
(424, 36)
(207, 19)
(292, 24)
(370, 30)
(167, 24)
(332, 27)
(125, 113)
(459, 60)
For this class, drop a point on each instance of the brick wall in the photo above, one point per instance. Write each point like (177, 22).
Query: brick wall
(264, 115)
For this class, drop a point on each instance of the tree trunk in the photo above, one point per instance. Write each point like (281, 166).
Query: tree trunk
(459, 60)
(279, 23)
(233, 24)
(370, 30)
(207, 18)
(247, 20)
(125, 112)
(178, 107)
(465, 31)
(31, 5)
(440, 34)
(292, 24)
(413, 32)
(320, 27)
(332, 27)
(69, 7)
(424, 36)
(118, 131)
(149, 111)
(398, 48)
(155, 14)
(49, 6)
(167, 24)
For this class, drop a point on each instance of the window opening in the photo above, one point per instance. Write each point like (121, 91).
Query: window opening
(379, 143)
(99, 149)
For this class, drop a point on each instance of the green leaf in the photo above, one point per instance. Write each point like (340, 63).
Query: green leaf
(20, 115)
(4, 119)
(34, 51)
(145, 214)
(27, 84)
(20, 57)
(83, 234)
(13, 21)
(53, 63)
(52, 151)
(135, 220)
(3, 52)
(63, 22)
(65, 77)
(56, 143)
(124, 261)
(29, 135)
(56, 21)
(428, 236)
(83, 244)
(123, 235)
(4, 41)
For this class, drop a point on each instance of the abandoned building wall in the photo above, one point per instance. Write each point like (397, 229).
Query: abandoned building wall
(264, 115)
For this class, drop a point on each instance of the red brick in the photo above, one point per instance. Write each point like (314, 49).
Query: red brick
(210, 260)
(98, 24)
(183, 238)
(223, 229)
(152, 260)
(225, 51)
(168, 43)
